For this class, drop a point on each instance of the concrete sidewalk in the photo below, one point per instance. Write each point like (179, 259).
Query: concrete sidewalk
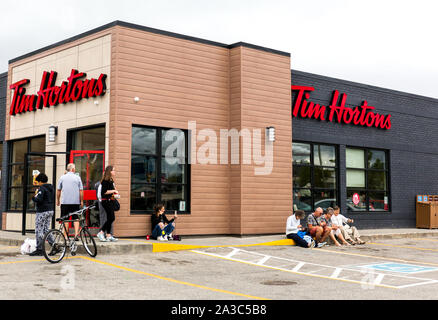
(139, 245)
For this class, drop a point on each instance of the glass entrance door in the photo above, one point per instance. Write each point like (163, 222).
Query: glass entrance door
(90, 165)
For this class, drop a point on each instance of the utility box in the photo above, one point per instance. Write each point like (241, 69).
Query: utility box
(427, 211)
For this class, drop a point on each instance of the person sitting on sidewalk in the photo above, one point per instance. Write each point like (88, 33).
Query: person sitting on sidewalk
(349, 233)
(316, 230)
(295, 231)
(162, 228)
(326, 220)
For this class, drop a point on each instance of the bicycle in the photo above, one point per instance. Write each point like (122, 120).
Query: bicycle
(55, 243)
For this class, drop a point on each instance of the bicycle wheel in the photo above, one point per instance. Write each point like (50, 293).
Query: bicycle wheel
(54, 246)
(88, 242)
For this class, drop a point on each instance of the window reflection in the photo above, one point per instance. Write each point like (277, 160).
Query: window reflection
(300, 153)
(314, 176)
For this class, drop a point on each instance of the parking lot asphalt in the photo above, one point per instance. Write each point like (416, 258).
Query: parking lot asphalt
(383, 269)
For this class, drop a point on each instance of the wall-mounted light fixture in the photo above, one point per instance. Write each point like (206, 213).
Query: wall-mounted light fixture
(96, 102)
(270, 131)
(53, 132)
(136, 99)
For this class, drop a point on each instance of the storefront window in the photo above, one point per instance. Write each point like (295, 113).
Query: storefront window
(159, 169)
(367, 180)
(87, 139)
(314, 176)
(16, 169)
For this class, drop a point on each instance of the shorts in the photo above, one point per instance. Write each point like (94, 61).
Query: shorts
(312, 231)
(66, 209)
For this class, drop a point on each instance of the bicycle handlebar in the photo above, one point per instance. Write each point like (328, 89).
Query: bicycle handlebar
(79, 212)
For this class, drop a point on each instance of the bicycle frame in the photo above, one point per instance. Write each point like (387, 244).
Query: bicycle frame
(63, 221)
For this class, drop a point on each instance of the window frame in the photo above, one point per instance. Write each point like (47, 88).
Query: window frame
(158, 170)
(366, 189)
(70, 138)
(10, 167)
(312, 167)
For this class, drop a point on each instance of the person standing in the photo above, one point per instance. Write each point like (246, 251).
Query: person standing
(102, 213)
(70, 195)
(43, 198)
(294, 228)
(108, 194)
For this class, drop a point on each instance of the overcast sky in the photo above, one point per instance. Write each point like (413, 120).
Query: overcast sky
(387, 43)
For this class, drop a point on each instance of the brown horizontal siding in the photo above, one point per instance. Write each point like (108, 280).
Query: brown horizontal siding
(267, 199)
(177, 81)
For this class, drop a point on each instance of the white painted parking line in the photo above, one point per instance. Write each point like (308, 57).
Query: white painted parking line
(399, 268)
(298, 267)
(352, 274)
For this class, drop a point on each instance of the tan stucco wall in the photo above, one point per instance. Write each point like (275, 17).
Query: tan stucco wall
(91, 56)
(177, 80)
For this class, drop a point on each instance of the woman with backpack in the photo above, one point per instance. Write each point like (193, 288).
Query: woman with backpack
(44, 201)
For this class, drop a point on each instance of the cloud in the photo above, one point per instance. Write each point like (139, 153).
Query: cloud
(385, 43)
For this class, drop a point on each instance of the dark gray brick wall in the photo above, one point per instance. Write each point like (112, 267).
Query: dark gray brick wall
(3, 84)
(411, 141)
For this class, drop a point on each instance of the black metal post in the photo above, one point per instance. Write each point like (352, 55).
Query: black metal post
(26, 176)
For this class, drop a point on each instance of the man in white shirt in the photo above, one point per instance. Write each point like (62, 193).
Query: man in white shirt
(71, 188)
(344, 230)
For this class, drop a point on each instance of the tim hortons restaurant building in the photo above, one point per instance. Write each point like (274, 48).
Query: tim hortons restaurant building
(227, 135)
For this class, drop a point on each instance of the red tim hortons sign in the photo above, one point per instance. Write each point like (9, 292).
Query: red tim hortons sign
(74, 89)
(362, 115)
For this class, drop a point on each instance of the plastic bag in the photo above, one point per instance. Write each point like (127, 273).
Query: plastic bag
(28, 246)
(307, 238)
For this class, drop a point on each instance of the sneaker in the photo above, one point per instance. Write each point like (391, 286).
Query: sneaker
(161, 238)
(169, 237)
(322, 244)
(36, 253)
(111, 238)
(312, 244)
(55, 250)
(101, 237)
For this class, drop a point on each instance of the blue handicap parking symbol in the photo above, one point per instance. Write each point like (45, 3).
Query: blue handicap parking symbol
(399, 267)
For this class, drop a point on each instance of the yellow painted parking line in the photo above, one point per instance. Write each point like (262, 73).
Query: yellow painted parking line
(34, 260)
(166, 247)
(294, 272)
(376, 257)
(426, 239)
(172, 280)
(404, 247)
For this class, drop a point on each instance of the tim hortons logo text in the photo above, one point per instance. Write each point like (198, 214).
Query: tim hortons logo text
(360, 116)
(74, 89)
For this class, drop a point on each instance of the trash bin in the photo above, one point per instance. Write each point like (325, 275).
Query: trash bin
(427, 211)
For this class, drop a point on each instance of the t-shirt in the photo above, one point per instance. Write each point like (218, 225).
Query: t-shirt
(292, 224)
(339, 220)
(312, 220)
(328, 222)
(105, 186)
(70, 184)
